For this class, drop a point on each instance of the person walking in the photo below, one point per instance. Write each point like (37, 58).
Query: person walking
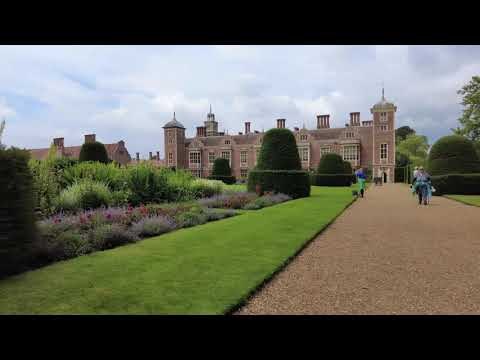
(422, 186)
(361, 177)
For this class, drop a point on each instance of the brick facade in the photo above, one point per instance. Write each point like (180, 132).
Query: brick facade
(370, 144)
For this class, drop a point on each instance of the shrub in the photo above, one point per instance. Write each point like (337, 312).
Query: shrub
(331, 163)
(279, 151)
(109, 174)
(85, 194)
(109, 236)
(147, 184)
(121, 197)
(228, 201)
(17, 219)
(218, 214)
(453, 155)
(152, 226)
(266, 200)
(45, 186)
(201, 188)
(225, 179)
(191, 218)
(293, 183)
(347, 168)
(221, 167)
(331, 179)
(62, 246)
(94, 151)
(457, 184)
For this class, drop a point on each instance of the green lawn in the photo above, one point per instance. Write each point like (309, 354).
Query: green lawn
(466, 199)
(236, 187)
(207, 269)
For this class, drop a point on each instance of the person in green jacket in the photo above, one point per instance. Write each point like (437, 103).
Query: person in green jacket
(361, 177)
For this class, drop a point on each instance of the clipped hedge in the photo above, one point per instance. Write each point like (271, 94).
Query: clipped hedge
(293, 183)
(453, 154)
(279, 151)
(94, 151)
(331, 163)
(17, 219)
(456, 184)
(347, 168)
(226, 179)
(332, 179)
(221, 167)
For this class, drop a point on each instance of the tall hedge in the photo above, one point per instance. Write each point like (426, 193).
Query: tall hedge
(279, 168)
(94, 151)
(221, 167)
(17, 220)
(456, 184)
(279, 151)
(331, 163)
(347, 168)
(453, 154)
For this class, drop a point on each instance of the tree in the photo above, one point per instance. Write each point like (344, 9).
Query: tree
(331, 163)
(221, 167)
(415, 148)
(453, 154)
(402, 132)
(2, 127)
(279, 151)
(94, 151)
(470, 119)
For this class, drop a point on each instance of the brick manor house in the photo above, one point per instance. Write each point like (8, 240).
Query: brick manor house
(370, 144)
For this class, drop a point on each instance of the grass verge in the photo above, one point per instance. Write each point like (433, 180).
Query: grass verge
(466, 199)
(208, 269)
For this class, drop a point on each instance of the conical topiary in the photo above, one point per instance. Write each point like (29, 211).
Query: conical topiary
(94, 151)
(331, 163)
(453, 154)
(279, 151)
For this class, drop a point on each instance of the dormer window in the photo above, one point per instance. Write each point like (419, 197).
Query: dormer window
(383, 116)
(349, 134)
(227, 142)
(303, 137)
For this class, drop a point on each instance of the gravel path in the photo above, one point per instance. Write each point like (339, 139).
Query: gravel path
(384, 255)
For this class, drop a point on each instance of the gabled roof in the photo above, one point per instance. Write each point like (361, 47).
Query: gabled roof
(70, 151)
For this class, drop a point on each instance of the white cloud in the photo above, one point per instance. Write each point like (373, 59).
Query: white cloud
(5, 110)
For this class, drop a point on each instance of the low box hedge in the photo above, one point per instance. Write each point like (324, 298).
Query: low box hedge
(332, 179)
(226, 179)
(294, 183)
(458, 184)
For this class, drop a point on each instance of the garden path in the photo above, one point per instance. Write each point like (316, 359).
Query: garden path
(384, 255)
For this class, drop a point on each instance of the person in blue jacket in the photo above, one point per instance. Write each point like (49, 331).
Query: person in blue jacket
(361, 178)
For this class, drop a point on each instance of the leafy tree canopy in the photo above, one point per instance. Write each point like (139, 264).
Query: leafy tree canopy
(402, 132)
(415, 148)
(470, 119)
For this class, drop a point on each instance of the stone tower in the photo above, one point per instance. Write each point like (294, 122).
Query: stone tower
(174, 135)
(211, 125)
(383, 162)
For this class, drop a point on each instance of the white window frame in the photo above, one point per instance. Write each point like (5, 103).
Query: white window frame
(302, 151)
(303, 137)
(227, 142)
(383, 116)
(210, 160)
(383, 151)
(197, 159)
(349, 134)
(245, 171)
(170, 158)
(350, 153)
(229, 158)
(325, 150)
(384, 127)
(243, 158)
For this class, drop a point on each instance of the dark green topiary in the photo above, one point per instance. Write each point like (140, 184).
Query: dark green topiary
(456, 184)
(453, 154)
(279, 151)
(347, 168)
(226, 179)
(293, 183)
(331, 163)
(332, 179)
(94, 151)
(221, 167)
(17, 219)
(279, 167)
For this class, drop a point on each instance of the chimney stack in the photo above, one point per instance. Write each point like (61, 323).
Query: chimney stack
(240, 133)
(280, 123)
(247, 127)
(58, 142)
(158, 155)
(355, 119)
(90, 138)
(138, 156)
(296, 129)
(201, 131)
(151, 155)
(323, 121)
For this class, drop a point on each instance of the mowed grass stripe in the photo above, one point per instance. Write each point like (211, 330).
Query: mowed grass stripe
(466, 199)
(207, 269)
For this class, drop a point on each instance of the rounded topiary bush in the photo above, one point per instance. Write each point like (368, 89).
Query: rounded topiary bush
(94, 151)
(453, 154)
(331, 163)
(279, 168)
(347, 168)
(17, 219)
(279, 151)
(222, 171)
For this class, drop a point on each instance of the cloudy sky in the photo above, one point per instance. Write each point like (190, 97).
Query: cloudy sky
(129, 92)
